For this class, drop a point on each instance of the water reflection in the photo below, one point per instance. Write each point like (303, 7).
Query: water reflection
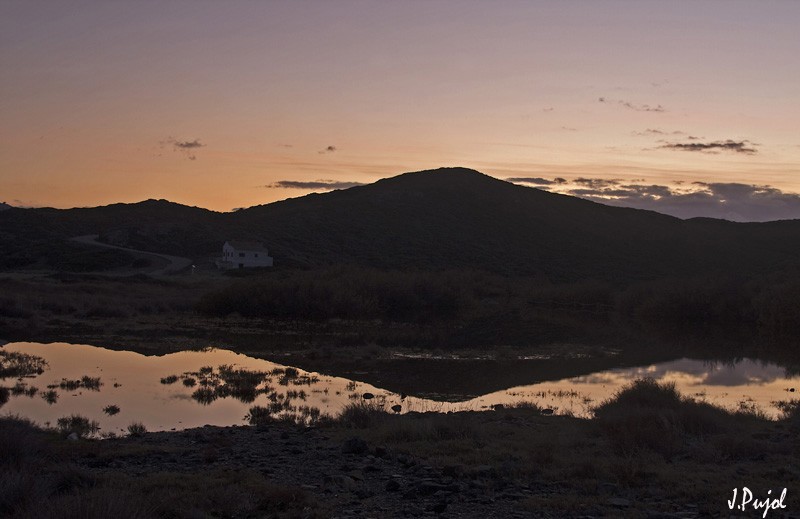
(219, 387)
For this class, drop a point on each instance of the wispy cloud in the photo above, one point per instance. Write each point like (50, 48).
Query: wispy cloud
(651, 132)
(631, 106)
(185, 147)
(538, 181)
(596, 183)
(746, 147)
(327, 185)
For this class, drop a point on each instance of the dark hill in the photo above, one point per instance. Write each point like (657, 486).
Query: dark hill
(450, 217)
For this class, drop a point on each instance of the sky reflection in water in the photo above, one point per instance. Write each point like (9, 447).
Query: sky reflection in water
(133, 382)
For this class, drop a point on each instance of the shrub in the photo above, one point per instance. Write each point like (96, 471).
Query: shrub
(80, 425)
(647, 415)
(259, 415)
(361, 415)
(137, 429)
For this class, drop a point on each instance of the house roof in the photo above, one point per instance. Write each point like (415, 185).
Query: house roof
(247, 245)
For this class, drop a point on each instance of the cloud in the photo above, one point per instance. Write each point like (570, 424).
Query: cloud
(746, 147)
(185, 147)
(327, 185)
(329, 149)
(655, 131)
(188, 145)
(725, 200)
(632, 106)
(539, 181)
(596, 183)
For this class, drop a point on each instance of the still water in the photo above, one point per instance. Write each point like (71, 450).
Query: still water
(193, 388)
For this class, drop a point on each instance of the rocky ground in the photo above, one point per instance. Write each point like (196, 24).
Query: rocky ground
(507, 463)
(350, 477)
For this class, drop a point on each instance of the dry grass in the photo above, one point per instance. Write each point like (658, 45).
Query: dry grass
(648, 441)
(38, 479)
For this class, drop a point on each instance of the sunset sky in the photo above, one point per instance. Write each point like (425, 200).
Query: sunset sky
(226, 104)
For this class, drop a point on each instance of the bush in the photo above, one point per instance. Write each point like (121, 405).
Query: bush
(137, 429)
(80, 425)
(343, 293)
(647, 415)
(361, 415)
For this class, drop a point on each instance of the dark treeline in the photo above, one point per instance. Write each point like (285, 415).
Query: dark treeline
(769, 303)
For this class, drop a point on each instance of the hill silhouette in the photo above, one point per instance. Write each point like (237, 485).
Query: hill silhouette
(444, 218)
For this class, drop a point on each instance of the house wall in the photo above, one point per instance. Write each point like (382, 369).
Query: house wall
(234, 257)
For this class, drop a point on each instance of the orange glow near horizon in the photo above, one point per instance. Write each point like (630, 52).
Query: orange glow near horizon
(206, 104)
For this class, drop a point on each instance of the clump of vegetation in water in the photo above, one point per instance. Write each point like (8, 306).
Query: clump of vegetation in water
(86, 382)
(50, 396)
(80, 425)
(17, 364)
(21, 388)
(226, 381)
(137, 429)
(111, 410)
(204, 395)
(5, 393)
(284, 412)
(258, 415)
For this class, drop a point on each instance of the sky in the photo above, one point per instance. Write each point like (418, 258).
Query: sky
(690, 108)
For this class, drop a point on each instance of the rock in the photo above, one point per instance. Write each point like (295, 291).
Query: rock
(354, 445)
(381, 452)
(392, 485)
(73, 437)
(427, 488)
(452, 470)
(341, 481)
(484, 470)
(619, 502)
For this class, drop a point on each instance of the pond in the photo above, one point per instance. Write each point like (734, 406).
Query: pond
(219, 387)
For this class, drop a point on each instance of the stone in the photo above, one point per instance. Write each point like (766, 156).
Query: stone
(619, 502)
(354, 445)
(341, 481)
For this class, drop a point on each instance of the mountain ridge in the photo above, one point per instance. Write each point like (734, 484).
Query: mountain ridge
(442, 218)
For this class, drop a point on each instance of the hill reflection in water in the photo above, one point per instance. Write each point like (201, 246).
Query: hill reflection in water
(218, 387)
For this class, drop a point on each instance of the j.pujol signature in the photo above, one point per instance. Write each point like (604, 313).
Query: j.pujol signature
(746, 500)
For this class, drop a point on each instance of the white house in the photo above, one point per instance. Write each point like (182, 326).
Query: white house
(243, 254)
